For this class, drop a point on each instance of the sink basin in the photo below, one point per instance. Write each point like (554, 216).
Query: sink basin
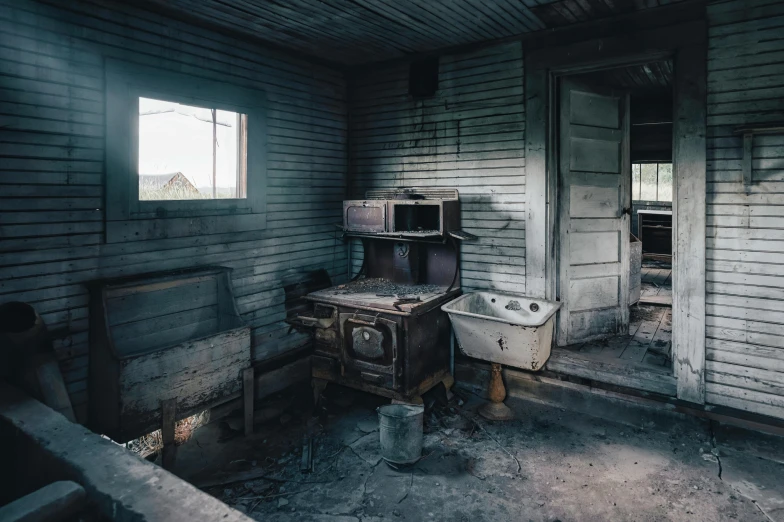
(503, 328)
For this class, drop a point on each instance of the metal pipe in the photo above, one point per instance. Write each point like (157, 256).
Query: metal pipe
(452, 353)
(214, 152)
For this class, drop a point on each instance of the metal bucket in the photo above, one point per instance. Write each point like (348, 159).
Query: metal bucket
(400, 432)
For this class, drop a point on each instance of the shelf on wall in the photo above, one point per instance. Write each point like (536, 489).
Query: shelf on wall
(748, 132)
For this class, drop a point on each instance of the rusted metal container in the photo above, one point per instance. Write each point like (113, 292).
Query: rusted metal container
(400, 433)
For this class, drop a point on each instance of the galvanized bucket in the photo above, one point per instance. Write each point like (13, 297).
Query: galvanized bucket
(400, 432)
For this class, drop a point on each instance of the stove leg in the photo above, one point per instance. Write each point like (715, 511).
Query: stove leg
(415, 399)
(448, 382)
(318, 388)
(496, 409)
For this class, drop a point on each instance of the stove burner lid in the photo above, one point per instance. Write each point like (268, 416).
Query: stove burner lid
(384, 288)
(379, 293)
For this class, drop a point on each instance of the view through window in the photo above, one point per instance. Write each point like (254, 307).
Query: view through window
(652, 181)
(188, 152)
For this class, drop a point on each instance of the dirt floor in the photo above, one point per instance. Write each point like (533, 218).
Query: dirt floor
(549, 464)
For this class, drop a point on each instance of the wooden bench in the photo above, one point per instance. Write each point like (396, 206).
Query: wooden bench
(164, 346)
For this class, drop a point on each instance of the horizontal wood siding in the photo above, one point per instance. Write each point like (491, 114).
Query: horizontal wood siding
(52, 168)
(470, 135)
(745, 230)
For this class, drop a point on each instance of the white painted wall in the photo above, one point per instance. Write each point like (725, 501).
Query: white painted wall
(745, 232)
(52, 171)
(469, 136)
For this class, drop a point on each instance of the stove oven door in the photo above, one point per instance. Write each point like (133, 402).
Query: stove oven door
(370, 345)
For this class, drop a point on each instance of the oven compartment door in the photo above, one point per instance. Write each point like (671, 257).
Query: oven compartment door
(364, 216)
(370, 349)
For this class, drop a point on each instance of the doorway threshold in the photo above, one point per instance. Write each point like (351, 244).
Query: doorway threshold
(630, 375)
(639, 360)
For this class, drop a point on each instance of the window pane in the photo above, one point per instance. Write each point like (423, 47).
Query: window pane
(636, 181)
(665, 181)
(176, 144)
(648, 182)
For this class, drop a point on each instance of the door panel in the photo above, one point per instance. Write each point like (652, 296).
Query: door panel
(594, 324)
(592, 248)
(593, 109)
(590, 294)
(591, 155)
(594, 187)
(594, 198)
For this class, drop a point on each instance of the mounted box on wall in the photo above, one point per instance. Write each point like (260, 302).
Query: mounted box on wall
(423, 78)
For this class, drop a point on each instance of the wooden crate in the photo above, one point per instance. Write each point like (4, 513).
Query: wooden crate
(162, 337)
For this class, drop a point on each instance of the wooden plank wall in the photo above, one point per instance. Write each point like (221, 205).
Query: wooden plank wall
(52, 170)
(745, 231)
(469, 135)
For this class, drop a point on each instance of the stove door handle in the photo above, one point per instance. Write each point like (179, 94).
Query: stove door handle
(354, 319)
(372, 377)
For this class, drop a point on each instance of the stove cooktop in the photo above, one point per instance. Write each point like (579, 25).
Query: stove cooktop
(384, 294)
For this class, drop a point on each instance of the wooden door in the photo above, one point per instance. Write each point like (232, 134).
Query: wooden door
(594, 188)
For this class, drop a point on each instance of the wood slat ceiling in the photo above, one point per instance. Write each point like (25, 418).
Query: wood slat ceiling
(650, 80)
(352, 32)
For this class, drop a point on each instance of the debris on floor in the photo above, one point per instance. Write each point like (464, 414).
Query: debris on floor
(547, 464)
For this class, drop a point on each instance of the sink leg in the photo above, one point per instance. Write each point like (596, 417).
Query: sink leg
(448, 382)
(496, 409)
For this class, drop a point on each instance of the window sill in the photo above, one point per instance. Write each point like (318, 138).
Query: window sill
(146, 229)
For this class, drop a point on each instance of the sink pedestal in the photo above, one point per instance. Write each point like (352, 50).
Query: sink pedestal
(496, 410)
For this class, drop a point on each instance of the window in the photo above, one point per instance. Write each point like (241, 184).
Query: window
(189, 152)
(652, 181)
(182, 147)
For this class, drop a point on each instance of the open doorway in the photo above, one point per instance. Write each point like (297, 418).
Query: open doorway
(615, 215)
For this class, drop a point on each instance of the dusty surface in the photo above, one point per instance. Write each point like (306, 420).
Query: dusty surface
(571, 467)
(384, 287)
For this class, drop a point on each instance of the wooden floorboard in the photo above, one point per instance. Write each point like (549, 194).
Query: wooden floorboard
(648, 343)
(639, 359)
(656, 285)
(638, 376)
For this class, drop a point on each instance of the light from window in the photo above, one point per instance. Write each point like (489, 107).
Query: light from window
(188, 152)
(652, 181)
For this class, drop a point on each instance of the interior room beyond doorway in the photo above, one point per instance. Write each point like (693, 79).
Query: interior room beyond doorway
(640, 356)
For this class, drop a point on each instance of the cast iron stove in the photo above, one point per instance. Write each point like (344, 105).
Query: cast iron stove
(384, 332)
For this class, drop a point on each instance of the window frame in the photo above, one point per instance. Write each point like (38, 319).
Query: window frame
(658, 180)
(125, 84)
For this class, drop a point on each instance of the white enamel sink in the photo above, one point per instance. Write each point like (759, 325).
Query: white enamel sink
(502, 328)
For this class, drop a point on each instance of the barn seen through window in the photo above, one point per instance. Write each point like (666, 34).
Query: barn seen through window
(188, 152)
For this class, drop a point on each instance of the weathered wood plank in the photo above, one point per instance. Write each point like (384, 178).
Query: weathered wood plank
(470, 137)
(196, 373)
(247, 399)
(744, 287)
(637, 377)
(689, 161)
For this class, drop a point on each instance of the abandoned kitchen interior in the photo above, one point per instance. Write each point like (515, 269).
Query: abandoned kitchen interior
(373, 260)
